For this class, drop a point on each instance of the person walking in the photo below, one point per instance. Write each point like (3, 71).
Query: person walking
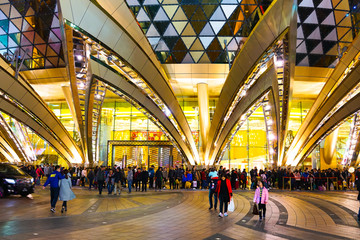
(101, 178)
(261, 198)
(110, 181)
(130, 178)
(91, 176)
(53, 180)
(212, 187)
(144, 179)
(151, 177)
(224, 192)
(66, 194)
(159, 178)
(117, 181)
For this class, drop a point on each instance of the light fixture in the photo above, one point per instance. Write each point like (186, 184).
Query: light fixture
(167, 112)
(267, 107)
(271, 136)
(279, 63)
(98, 96)
(79, 57)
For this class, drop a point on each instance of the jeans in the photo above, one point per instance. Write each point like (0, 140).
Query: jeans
(117, 186)
(158, 184)
(212, 194)
(151, 182)
(129, 185)
(91, 183)
(144, 183)
(359, 215)
(172, 183)
(110, 188)
(223, 204)
(137, 184)
(100, 185)
(262, 210)
(54, 195)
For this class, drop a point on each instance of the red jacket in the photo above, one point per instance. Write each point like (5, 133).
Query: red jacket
(228, 184)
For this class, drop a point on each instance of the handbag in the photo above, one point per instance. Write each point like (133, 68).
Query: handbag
(255, 209)
(231, 206)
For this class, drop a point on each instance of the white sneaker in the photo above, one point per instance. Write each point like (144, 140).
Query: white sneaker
(225, 214)
(221, 215)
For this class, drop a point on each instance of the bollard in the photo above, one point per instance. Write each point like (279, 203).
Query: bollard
(290, 183)
(327, 184)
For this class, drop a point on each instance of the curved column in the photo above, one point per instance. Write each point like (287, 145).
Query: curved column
(248, 64)
(345, 66)
(10, 142)
(20, 101)
(348, 109)
(266, 85)
(203, 101)
(95, 96)
(330, 146)
(115, 80)
(95, 22)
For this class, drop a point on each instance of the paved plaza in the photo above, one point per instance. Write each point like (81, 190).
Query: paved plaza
(180, 215)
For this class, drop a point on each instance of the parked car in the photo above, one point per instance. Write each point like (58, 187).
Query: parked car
(14, 181)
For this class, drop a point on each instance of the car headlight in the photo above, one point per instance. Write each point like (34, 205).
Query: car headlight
(11, 181)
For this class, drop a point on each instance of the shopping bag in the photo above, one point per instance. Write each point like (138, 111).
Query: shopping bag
(255, 209)
(231, 206)
(194, 184)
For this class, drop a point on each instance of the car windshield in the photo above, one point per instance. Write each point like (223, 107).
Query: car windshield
(11, 170)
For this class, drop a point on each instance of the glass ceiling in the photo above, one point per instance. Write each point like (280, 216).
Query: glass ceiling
(196, 31)
(31, 26)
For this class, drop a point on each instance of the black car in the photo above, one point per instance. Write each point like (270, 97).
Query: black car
(14, 181)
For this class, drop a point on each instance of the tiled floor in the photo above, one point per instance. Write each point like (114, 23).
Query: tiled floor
(180, 215)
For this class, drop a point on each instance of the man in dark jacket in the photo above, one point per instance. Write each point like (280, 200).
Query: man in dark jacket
(53, 180)
(144, 179)
(101, 178)
(151, 176)
(172, 175)
(91, 176)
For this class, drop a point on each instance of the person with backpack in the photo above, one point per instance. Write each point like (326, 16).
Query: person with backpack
(100, 176)
(53, 180)
(212, 187)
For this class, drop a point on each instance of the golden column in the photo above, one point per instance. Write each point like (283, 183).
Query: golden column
(203, 101)
(328, 156)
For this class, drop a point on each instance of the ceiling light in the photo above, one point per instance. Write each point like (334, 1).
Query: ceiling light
(79, 57)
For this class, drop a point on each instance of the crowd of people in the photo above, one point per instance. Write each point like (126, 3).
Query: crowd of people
(220, 182)
(142, 179)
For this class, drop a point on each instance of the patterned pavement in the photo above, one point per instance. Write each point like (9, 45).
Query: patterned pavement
(180, 215)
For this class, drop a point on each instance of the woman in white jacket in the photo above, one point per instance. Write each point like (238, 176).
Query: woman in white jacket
(66, 194)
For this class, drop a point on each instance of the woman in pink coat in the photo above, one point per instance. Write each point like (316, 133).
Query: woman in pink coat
(261, 198)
